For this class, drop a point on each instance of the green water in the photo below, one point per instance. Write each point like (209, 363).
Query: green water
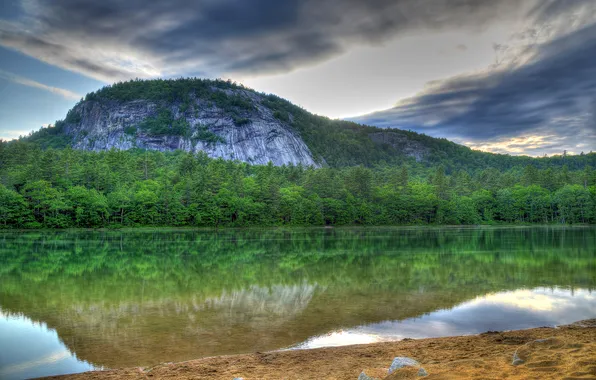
(72, 301)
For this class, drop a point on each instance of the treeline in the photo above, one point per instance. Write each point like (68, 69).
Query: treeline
(69, 188)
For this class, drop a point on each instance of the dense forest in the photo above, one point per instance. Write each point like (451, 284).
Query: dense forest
(63, 188)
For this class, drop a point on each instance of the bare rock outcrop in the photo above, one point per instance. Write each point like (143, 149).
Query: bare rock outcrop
(253, 135)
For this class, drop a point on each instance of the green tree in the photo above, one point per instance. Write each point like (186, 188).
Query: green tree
(13, 209)
(49, 208)
(90, 207)
(574, 204)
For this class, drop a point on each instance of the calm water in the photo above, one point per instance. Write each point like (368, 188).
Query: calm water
(74, 301)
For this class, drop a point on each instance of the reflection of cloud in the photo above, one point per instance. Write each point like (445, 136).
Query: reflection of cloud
(24, 367)
(520, 309)
(340, 338)
(536, 299)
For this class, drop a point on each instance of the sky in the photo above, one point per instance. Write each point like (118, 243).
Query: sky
(504, 76)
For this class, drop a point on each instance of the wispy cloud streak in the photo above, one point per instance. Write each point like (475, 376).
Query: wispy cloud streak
(67, 94)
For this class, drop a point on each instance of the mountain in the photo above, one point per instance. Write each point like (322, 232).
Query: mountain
(231, 123)
(227, 120)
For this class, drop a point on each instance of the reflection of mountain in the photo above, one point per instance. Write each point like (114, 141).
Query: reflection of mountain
(278, 300)
(115, 302)
(257, 319)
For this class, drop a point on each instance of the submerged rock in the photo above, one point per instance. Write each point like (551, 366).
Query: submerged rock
(364, 376)
(525, 352)
(403, 361)
(517, 360)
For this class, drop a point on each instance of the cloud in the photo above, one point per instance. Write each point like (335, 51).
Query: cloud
(31, 83)
(552, 95)
(10, 134)
(526, 144)
(542, 79)
(111, 39)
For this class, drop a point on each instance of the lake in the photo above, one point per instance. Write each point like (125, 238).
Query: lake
(75, 301)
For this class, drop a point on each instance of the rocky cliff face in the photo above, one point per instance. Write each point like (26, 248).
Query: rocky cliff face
(250, 134)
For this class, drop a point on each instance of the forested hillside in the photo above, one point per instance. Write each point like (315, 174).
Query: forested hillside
(61, 188)
(369, 176)
(333, 143)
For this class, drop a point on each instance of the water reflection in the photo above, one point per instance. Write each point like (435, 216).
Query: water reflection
(514, 310)
(31, 349)
(121, 299)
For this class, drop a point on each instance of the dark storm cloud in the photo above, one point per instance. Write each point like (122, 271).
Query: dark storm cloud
(553, 95)
(226, 35)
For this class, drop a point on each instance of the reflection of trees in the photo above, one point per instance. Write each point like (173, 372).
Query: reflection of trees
(115, 297)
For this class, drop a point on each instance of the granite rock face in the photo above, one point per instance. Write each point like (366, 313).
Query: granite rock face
(259, 138)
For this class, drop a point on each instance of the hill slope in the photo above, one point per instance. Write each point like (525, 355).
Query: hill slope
(230, 121)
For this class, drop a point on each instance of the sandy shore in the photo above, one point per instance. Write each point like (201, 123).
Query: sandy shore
(568, 353)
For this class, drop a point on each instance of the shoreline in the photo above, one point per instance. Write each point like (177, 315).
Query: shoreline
(288, 227)
(565, 352)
